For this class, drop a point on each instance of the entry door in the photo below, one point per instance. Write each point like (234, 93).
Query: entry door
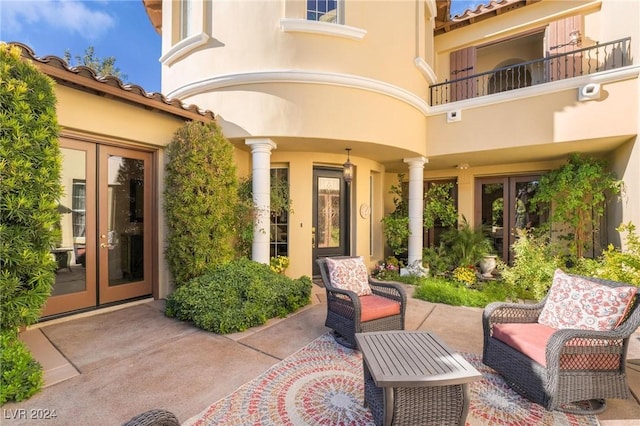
(330, 231)
(503, 209)
(104, 253)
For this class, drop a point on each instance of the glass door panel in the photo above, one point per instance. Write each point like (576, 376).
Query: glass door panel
(124, 224)
(330, 213)
(504, 210)
(75, 280)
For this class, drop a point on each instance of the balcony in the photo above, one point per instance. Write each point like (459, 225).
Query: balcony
(574, 63)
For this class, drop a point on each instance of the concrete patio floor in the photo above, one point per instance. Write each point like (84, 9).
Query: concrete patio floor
(105, 368)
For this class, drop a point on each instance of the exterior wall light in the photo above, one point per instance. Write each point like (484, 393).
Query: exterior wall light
(347, 169)
(575, 38)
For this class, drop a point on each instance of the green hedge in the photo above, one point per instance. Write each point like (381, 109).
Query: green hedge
(30, 166)
(236, 296)
(200, 200)
(21, 374)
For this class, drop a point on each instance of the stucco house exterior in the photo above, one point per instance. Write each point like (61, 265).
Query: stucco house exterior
(112, 139)
(488, 100)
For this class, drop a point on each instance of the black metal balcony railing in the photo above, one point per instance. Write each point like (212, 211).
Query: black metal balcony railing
(578, 62)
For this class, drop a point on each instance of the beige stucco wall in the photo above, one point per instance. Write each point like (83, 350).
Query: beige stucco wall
(316, 94)
(326, 86)
(300, 220)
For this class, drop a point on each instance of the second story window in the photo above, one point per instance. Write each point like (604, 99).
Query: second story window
(185, 19)
(324, 10)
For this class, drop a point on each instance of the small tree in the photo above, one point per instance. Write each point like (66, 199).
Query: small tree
(30, 166)
(201, 196)
(102, 66)
(440, 206)
(395, 225)
(577, 193)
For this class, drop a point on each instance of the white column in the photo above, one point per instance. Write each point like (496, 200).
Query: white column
(416, 207)
(261, 160)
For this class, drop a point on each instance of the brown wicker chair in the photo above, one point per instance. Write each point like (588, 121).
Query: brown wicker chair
(344, 308)
(581, 365)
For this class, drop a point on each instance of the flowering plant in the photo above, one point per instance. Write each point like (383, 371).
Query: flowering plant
(465, 274)
(387, 270)
(279, 264)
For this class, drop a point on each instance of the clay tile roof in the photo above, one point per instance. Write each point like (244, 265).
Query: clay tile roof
(445, 22)
(85, 78)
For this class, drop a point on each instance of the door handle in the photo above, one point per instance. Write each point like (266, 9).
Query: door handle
(103, 245)
(313, 237)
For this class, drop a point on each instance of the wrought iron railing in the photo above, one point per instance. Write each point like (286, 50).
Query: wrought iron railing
(584, 61)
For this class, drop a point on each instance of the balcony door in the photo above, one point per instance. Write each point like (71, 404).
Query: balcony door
(503, 209)
(104, 253)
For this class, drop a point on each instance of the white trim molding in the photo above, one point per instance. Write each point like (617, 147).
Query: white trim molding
(303, 77)
(290, 25)
(426, 70)
(183, 47)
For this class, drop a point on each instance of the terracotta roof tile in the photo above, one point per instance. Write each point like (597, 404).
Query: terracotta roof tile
(59, 70)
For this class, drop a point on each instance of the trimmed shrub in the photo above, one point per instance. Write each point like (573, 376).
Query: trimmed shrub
(233, 297)
(21, 374)
(30, 165)
(200, 200)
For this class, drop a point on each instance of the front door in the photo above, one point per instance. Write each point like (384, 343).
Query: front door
(504, 210)
(330, 233)
(104, 253)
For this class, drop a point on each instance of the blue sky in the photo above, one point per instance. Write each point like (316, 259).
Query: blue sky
(118, 28)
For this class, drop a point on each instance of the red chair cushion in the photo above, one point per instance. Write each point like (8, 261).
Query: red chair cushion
(531, 340)
(374, 307)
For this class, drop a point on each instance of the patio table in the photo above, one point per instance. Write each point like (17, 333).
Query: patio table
(412, 377)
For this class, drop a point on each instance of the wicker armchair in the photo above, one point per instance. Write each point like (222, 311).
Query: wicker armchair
(345, 308)
(581, 365)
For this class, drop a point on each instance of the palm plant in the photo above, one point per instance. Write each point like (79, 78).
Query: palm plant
(465, 245)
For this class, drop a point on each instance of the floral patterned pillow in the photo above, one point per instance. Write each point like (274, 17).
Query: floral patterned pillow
(576, 302)
(349, 274)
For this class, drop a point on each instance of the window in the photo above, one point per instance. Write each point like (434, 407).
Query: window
(323, 10)
(280, 217)
(78, 208)
(185, 19)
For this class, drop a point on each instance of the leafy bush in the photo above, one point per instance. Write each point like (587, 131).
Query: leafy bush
(577, 193)
(200, 200)
(532, 271)
(30, 164)
(623, 266)
(233, 297)
(395, 225)
(21, 376)
(441, 290)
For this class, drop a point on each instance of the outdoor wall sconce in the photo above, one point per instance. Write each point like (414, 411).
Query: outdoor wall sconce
(347, 169)
(575, 38)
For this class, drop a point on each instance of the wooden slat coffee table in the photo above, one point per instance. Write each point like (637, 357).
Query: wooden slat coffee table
(413, 378)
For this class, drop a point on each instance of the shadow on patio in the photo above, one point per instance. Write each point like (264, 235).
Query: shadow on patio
(107, 367)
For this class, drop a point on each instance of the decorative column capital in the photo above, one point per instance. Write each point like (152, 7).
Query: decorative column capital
(416, 161)
(264, 145)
